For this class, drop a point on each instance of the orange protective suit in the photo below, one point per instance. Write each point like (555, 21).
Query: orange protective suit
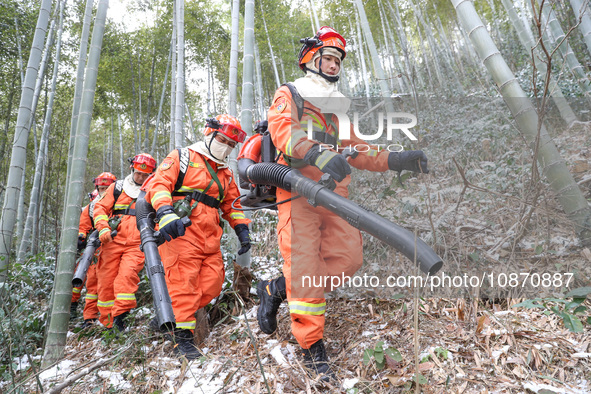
(193, 262)
(120, 260)
(90, 308)
(314, 242)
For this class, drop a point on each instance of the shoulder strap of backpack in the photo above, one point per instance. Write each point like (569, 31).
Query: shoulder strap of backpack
(183, 165)
(91, 211)
(117, 191)
(297, 99)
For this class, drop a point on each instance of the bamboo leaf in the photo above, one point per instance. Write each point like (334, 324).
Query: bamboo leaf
(572, 323)
(530, 304)
(581, 292)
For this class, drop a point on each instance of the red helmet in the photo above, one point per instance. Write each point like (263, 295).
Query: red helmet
(325, 37)
(228, 125)
(92, 195)
(104, 179)
(143, 163)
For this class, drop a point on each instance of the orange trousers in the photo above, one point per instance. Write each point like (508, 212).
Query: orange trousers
(316, 245)
(193, 278)
(76, 292)
(118, 278)
(90, 300)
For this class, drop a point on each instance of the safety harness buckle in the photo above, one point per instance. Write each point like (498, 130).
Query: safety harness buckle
(205, 199)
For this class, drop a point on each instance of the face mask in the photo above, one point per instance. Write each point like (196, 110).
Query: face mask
(217, 149)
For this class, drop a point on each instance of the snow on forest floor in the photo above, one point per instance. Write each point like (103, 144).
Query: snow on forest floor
(493, 219)
(462, 347)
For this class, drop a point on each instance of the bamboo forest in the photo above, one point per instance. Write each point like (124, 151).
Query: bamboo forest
(154, 153)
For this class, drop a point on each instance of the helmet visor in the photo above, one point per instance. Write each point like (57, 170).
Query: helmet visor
(102, 181)
(232, 132)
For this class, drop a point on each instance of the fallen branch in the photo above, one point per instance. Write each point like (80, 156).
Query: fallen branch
(85, 371)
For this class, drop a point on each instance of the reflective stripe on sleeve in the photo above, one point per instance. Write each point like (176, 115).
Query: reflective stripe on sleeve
(295, 137)
(107, 229)
(237, 215)
(169, 218)
(91, 296)
(322, 161)
(160, 195)
(306, 308)
(101, 217)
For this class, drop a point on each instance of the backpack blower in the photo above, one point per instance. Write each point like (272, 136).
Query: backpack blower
(257, 149)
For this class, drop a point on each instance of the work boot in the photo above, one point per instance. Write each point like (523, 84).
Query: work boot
(185, 345)
(73, 310)
(88, 323)
(316, 360)
(271, 294)
(118, 322)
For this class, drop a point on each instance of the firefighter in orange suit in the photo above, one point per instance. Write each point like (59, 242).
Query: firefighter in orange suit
(90, 313)
(193, 261)
(313, 241)
(121, 259)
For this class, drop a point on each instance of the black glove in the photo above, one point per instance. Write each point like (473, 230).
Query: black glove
(243, 234)
(328, 162)
(81, 242)
(411, 160)
(170, 223)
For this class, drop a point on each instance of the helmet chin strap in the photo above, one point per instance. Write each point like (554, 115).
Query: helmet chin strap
(329, 78)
